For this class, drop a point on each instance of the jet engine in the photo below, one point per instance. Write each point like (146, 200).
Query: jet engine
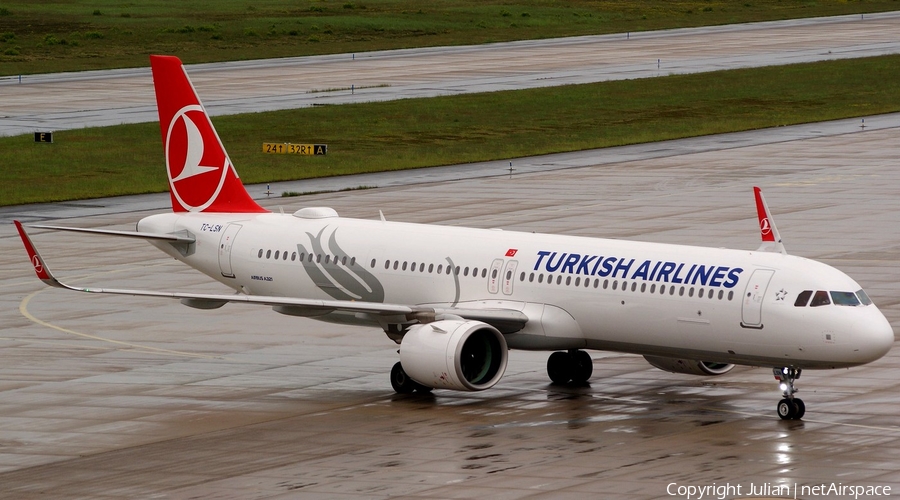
(689, 366)
(454, 354)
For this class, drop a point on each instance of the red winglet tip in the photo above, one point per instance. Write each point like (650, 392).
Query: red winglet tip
(39, 268)
(765, 226)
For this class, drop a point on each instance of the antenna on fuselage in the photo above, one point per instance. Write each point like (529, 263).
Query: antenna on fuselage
(771, 240)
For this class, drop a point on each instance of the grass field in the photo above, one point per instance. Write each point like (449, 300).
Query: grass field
(474, 127)
(50, 36)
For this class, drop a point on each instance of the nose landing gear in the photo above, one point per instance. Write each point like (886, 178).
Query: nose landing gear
(789, 408)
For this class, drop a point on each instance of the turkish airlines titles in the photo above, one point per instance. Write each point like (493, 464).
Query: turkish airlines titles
(648, 270)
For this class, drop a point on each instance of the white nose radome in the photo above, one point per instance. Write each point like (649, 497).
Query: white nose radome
(873, 335)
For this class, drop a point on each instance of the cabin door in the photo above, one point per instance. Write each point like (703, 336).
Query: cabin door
(225, 245)
(751, 310)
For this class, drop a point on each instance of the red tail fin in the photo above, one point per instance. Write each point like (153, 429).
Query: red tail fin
(201, 175)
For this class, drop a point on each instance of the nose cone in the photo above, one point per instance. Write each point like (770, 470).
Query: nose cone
(874, 335)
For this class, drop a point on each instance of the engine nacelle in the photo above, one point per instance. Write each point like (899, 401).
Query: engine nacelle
(454, 354)
(689, 366)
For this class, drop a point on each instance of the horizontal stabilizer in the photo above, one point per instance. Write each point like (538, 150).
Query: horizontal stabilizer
(172, 238)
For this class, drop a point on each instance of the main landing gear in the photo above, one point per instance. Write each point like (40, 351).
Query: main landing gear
(789, 408)
(574, 365)
(402, 384)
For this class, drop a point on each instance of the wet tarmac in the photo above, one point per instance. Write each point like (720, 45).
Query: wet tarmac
(120, 397)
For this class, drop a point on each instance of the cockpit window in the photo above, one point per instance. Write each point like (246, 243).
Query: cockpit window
(820, 299)
(863, 298)
(844, 298)
(803, 298)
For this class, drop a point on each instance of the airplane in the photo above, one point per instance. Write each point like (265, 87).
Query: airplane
(457, 299)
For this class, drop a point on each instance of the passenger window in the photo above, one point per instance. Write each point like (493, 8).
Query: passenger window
(466, 271)
(691, 292)
(531, 277)
(484, 272)
(430, 268)
(268, 254)
(578, 281)
(615, 284)
(633, 286)
(643, 287)
(396, 264)
(293, 256)
(721, 293)
(820, 299)
(277, 253)
(844, 299)
(596, 282)
(568, 280)
(372, 265)
(559, 279)
(387, 264)
(260, 253)
(803, 298)
(494, 274)
(302, 256)
(353, 261)
(474, 272)
(284, 255)
(440, 268)
(653, 288)
(730, 294)
(541, 278)
(522, 276)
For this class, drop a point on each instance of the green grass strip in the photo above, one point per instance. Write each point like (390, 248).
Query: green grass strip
(414, 133)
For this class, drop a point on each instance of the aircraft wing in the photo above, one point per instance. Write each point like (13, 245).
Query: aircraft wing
(505, 320)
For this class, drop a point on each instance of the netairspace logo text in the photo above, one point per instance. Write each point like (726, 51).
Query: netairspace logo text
(728, 490)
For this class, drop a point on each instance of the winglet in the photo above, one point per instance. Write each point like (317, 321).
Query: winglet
(771, 240)
(40, 267)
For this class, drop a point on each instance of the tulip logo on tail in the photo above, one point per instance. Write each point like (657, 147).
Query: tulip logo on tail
(335, 275)
(764, 227)
(195, 160)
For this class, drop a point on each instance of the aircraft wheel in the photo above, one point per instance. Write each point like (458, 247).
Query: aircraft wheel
(584, 366)
(559, 367)
(400, 381)
(801, 409)
(787, 409)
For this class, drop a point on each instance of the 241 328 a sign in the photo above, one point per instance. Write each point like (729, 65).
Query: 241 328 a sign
(295, 149)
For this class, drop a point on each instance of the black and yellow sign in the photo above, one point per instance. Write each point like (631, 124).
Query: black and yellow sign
(43, 137)
(287, 148)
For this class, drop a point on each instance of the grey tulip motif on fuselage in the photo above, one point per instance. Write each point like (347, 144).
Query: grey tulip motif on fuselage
(336, 277)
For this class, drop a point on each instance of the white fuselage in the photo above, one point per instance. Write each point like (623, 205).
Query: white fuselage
(717, 305)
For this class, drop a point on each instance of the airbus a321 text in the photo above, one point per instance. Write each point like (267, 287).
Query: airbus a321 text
(457, 299)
